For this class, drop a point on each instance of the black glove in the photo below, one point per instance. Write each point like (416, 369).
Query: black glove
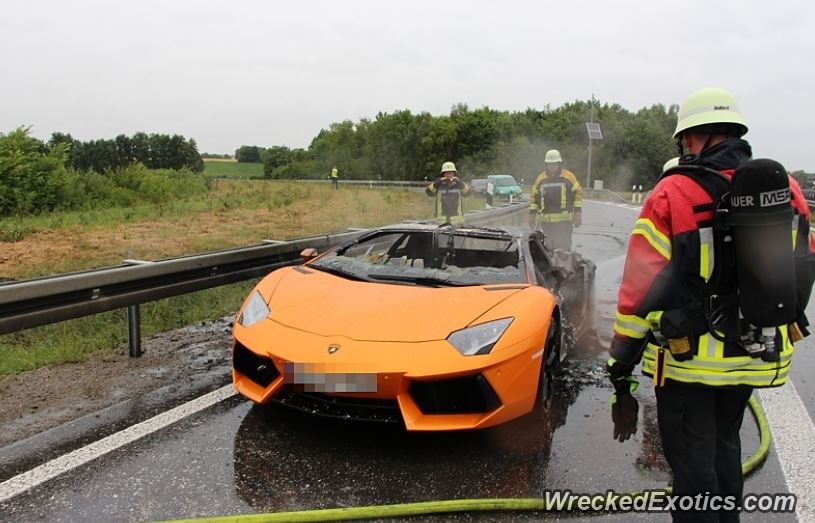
(624, 410)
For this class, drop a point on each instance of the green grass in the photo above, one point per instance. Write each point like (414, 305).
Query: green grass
(264, 193)
(241, 212)
(228, 169)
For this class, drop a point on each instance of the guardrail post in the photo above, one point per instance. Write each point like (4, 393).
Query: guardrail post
(134, 330)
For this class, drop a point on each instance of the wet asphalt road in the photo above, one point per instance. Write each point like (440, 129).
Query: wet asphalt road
(235, 458)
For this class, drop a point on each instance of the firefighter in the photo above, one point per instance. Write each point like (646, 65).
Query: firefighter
(335, 178)
(557, 202)
(448, 191)
(666, 316)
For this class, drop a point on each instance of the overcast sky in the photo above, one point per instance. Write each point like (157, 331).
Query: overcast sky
(275, 73)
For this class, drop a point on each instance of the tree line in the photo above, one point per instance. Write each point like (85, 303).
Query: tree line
(154, 151)
(66, 174)
(412, 146)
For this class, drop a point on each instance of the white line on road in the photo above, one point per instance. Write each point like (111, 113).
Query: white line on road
(794, 439)
(38, 475)
(629, 206)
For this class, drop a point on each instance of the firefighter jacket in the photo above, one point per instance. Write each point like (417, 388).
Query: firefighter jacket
(448, 200)
(334, 173)
(556, 198)
(669, 260)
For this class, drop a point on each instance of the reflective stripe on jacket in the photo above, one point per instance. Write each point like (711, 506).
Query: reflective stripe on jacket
(556, 198)
(448, 208)
(669, 260)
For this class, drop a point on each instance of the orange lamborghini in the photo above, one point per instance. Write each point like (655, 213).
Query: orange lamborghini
(438, 328)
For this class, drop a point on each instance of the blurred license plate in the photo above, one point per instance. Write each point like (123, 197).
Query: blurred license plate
(308, 381)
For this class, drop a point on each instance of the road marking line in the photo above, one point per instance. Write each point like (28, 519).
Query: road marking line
(794, 439)
(38, 475)
(628, 206)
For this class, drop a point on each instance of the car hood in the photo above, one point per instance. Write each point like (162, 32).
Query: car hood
(328, 305)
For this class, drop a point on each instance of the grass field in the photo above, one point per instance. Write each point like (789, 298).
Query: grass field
(234, 213)
(232, 169)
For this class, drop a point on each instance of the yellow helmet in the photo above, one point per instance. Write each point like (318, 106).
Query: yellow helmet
(552, 156)
(710, 105)
(670, 164)
(448, 166)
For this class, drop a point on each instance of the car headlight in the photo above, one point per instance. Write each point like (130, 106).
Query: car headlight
(254, 310)
(478, 339)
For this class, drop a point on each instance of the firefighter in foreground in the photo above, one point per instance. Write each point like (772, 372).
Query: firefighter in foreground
(710, 301)
(557, 202)
(448, 191)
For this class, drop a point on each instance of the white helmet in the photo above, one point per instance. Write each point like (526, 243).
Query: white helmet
(711, 105)
(553, 156)
(447, 167)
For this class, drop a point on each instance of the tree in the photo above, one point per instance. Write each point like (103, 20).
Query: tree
(64, 139)
(276, 156)
(248, 154)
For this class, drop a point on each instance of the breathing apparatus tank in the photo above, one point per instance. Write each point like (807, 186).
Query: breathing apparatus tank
(760, 217)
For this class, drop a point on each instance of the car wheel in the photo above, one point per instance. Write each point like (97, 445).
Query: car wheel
(550, 363)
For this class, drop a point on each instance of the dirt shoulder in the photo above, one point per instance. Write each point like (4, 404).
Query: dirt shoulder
(41, 399)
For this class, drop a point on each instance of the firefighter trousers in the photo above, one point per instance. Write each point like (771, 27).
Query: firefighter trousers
(558, 235)
(700, 427)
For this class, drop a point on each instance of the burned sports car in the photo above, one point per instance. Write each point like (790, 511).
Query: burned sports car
(439, 328)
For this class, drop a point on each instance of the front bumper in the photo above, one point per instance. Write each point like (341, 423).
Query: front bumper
(426, 386)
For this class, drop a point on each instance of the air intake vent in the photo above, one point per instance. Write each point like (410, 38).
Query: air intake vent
(468, 395)
(257, 368)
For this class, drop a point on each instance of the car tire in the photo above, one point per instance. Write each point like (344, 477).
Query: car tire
(550, 362)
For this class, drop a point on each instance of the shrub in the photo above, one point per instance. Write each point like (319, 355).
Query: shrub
(30, 174)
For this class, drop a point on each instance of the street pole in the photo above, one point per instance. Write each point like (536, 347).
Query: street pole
(591, 120)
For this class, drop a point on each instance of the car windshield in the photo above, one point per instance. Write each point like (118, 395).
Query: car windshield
(505, 181)
(429, 258)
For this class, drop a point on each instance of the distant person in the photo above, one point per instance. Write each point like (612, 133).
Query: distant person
(557, 202)
(448, 191)
(335, 178)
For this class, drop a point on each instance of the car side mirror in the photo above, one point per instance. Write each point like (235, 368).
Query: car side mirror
(308, 253)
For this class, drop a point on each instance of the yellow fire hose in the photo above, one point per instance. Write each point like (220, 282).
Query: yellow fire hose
(462, 505)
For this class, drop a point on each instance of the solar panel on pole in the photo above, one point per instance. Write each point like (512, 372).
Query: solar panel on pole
(594, 131)
(593, 128)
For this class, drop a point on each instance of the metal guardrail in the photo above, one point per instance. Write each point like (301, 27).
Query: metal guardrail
(40, 301)
(366, 183)
(371, 183)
